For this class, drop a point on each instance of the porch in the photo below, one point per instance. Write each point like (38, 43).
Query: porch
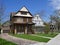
(22, 28)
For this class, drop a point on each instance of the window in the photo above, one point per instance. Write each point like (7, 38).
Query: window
(24, 13)
(37, 17)
(27, 19)
(19, 20)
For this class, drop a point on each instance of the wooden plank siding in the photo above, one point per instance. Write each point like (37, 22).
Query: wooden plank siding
(24, 19)
(21, 20)
(27, 20)
(30, 20)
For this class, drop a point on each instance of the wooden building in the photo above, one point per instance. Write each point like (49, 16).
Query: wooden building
(6, 27)
(21, 21)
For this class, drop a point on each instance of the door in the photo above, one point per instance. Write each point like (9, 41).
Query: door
(20, 28)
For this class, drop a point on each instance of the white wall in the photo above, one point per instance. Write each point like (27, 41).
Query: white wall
(37, 20)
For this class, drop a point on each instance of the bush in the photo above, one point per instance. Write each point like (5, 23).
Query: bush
(47, 28)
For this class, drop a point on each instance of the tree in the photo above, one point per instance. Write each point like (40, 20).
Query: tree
(42, 13)
(1, 12)
(47, 28)
(56, 18)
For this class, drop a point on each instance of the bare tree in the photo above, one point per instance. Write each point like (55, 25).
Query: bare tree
(1, 12)
(41, 13)
(56, 18)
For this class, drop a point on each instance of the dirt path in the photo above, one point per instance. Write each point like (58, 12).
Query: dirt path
(18, 41)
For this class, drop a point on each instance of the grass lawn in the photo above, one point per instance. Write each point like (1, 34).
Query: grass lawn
(30, 37)
(47, 35)
(4, 42)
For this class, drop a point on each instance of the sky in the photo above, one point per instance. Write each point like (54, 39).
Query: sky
(34, 6)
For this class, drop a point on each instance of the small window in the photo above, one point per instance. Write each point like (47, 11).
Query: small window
(37, 17)
(24, 13)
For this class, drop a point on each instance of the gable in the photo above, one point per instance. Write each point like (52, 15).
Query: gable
(24, 9)
(37, 20)
(27, 15)
(37, 17)
(23, 12)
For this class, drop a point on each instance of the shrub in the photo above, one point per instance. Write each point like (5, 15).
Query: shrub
(47, 28)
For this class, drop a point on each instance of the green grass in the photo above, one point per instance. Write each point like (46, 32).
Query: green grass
(30, 37)
(47, 35)
(4, 42)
